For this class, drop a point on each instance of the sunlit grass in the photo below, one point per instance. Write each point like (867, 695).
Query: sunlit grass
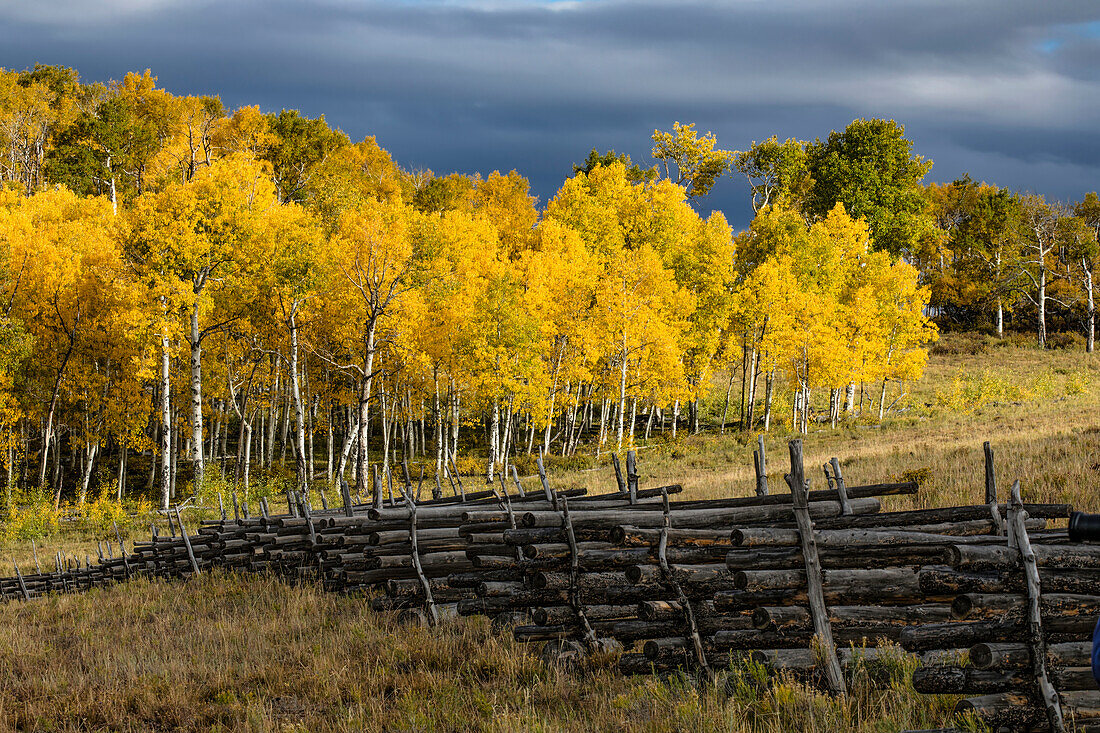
(232, 653)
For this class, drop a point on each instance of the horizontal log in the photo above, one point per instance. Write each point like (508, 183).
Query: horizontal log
(692, 518)
(942, 580)
(968, 633)
(756, 639)
(1066, 557)
(778, 537)
(556, 615)
(1016, 656)
(865, 491)
(938, 516)
(646, 536)
(991, 605)
(778, 558)
(890, 581)
(585, 581)
(953, 680)
(798, 617)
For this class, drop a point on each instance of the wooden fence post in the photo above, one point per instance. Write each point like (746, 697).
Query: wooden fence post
(1018, 539)
(760, 464)
(814, 588)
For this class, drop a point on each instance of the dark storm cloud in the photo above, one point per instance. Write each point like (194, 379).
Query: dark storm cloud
(1004, 90)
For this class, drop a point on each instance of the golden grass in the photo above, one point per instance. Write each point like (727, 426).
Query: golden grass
(229, 653)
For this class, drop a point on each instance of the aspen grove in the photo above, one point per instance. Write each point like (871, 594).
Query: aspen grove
(192, 289)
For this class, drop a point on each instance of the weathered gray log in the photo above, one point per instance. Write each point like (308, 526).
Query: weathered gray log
(818, 612)
(868, 557)
(798, 617)
(1019, 540)
(1066, 557)
(647, 536)
(937, 516)
(943, 580)
(779, 537)
(695, 518)
(952, 680)
(982, 605)
(1015, 656)
(760, 464)
(557, 615)
(968, 633)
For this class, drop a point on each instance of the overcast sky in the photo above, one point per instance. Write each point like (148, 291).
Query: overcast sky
(1006, 90)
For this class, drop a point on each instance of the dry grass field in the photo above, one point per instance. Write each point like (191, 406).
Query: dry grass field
(229, 653)
(246, 654)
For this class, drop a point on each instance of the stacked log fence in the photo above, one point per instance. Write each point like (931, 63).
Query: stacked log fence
(993, 598)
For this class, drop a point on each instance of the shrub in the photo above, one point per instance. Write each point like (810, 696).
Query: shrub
(32, 516)
(965, 343)
(100, 516)
(1066, 340)
(1077, 383)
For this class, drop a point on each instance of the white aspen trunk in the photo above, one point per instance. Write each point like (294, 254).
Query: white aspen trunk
(92, 450)
(1090, 324)
(351, 439)
(1042, 308)
(849, 397)
(750, 405)
(299, 413)
(438, 409)
(494, 443)
(795, 407)
(247, 448)
(506, 440)
(284, 421)
(48, 432)
(675, 415)
(166, 422)
(456, 420)
(211, 448)
(622, 393)
(384, 416)
(273, 414)
(124, 454)
(550, 407)
(224, 438)
(602, 435)
(114, 190)
(633, 417)
(725, 407)
(196, 397)
(1000, 303)
(768, 390)
(362, 486)
(882, 401)
(649, 422)
(328, 460)
(362, 479)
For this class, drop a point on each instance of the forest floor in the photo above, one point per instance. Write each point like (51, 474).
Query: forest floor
(228, 653)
